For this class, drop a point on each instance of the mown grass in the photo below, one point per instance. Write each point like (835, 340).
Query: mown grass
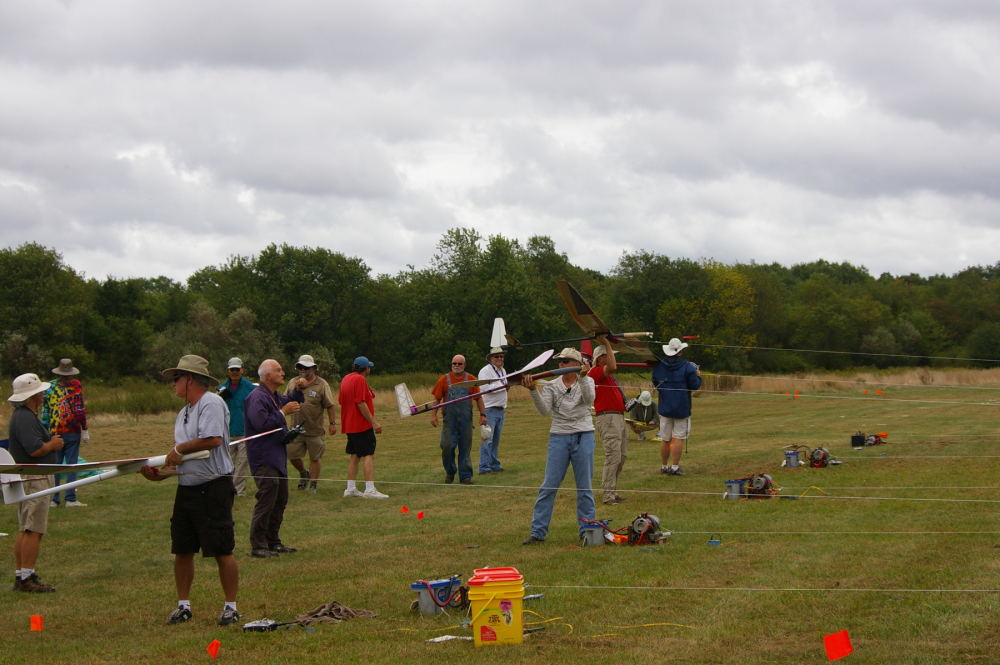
(112, 565)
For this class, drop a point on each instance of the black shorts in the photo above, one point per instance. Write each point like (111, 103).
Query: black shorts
(203, 519)
(361, 444)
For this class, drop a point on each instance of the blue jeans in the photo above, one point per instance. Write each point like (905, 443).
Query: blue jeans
(69, 454)
(565, 449)
(456, 433)
(488, 460)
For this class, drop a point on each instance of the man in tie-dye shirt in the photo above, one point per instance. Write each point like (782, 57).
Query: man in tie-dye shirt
(63, 413)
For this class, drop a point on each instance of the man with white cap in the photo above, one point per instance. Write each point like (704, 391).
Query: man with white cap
(496, 404)
(318, 398)
(609, 405)
(202, 518)
(643, 417)
(63, 413)
(571, 441)
(233, 392)
(30, 443)
(675, 379)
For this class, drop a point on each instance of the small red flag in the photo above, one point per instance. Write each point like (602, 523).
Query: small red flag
(420, 515)
(213, 649)
(879, 392)
(36, 622)
(866, 392)
(837, 645)
(787, 394)
(404, 510)
(796, 392)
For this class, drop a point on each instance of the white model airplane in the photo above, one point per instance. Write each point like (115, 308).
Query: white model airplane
(11, 480)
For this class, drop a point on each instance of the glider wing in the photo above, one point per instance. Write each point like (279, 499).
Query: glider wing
(537, 362)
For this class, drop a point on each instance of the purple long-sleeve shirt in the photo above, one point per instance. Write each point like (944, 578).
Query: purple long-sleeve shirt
(262, 412)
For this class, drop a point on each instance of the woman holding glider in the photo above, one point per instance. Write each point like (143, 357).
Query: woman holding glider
(571, 441)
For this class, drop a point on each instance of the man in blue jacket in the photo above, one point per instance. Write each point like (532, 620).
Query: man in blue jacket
(675, 379)
(233, 391)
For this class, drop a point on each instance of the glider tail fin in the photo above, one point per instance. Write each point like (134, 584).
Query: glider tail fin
(13, 491)
(404, 400)
(498, 338)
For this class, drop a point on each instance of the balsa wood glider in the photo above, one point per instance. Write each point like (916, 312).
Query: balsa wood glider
(11, 472)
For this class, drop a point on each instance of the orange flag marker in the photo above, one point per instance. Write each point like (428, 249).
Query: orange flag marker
(420, 515)
(879, 392)
(213, 648)
(36, 622)
(866, 392)
(404, 510)
(837, 645)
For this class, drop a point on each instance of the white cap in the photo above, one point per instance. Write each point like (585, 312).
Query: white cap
(645, 398)
(600, 351)
(235, 362)
(27, 385)
(306, 361)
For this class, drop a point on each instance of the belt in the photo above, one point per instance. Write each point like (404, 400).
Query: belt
(601, 413)
(495, 407)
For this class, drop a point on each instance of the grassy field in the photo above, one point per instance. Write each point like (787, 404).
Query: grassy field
(112, 566)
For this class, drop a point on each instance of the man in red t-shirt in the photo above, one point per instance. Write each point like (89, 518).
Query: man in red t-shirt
(456, 431)
(609, 403)
(357, 415)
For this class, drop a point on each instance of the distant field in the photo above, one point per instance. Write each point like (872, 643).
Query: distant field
(861, 554)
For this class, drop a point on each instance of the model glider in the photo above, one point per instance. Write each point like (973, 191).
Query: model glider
(408, 408)
(13, 490)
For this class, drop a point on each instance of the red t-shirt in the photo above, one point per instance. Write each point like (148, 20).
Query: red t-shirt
(353, 391)
(440, 390)
(607, 392)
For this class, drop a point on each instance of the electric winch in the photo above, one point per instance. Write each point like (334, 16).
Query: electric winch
(860, 440)
(644, 530)
(817, 457)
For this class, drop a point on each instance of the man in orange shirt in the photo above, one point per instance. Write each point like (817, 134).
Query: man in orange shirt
(456, 431)
(357, 415)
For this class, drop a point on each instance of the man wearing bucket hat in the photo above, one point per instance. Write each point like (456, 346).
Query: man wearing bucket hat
(234, 391)
(676, 379)
(203, 505)
(643, 415)
(30, 443)
(357, 411)
(496, 405)
(571, 441)
(456, 431)
(318, 399)
(63, 413)
(609, 403)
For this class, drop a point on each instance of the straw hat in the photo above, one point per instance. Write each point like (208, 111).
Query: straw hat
(191, 365)
(27, 385)
(65, 368)
(674, 347)
(569, 353)
(645, 398)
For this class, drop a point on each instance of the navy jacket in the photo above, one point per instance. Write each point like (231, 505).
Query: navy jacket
(675, 381)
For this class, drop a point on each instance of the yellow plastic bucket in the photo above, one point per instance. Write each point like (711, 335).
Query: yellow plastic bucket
(495, 595)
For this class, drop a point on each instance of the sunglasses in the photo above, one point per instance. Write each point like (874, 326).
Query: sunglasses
(235, 369)
(178, 377)
(457, 364)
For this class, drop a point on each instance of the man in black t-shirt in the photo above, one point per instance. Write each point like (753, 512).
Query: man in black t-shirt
(30, 443)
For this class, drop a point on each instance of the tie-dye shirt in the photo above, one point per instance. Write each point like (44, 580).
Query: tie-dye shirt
(63, 411)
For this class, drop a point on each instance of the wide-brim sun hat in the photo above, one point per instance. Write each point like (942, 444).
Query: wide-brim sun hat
(568, 353)
(190, 364)
(305, 361)
(496, 351)
(65, 368)
(27, 385)
(674, 347)
(645, 398)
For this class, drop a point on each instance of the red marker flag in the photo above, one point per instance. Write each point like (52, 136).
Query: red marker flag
(866, 392)
(420, 515)
(837, 645)
(36, 622)
(213, 648)
(879, 392)
(404, 510)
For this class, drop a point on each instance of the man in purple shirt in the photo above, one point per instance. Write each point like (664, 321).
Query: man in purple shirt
(263, 410)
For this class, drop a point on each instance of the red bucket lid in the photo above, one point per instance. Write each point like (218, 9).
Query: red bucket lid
(486, 575)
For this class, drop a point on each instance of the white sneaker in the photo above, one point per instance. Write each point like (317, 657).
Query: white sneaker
(53, 504)
(348, 493)
(75, 504)
(374, 494)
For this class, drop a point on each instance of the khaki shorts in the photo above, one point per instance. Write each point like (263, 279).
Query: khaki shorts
(316, 445)
(33, 514)
(674, 428)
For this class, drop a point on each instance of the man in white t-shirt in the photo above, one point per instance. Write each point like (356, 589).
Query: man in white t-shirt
(496, 405)
(203, 506)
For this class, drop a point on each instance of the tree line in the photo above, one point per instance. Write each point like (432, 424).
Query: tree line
(289, 300)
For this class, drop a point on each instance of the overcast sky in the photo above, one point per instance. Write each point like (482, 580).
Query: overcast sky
(147, 138)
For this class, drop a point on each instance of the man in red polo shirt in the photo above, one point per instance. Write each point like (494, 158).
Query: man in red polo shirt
(609, 403)
(357, 415)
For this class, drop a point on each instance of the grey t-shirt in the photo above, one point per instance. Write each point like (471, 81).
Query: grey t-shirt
(27, 435)
(206, 419)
